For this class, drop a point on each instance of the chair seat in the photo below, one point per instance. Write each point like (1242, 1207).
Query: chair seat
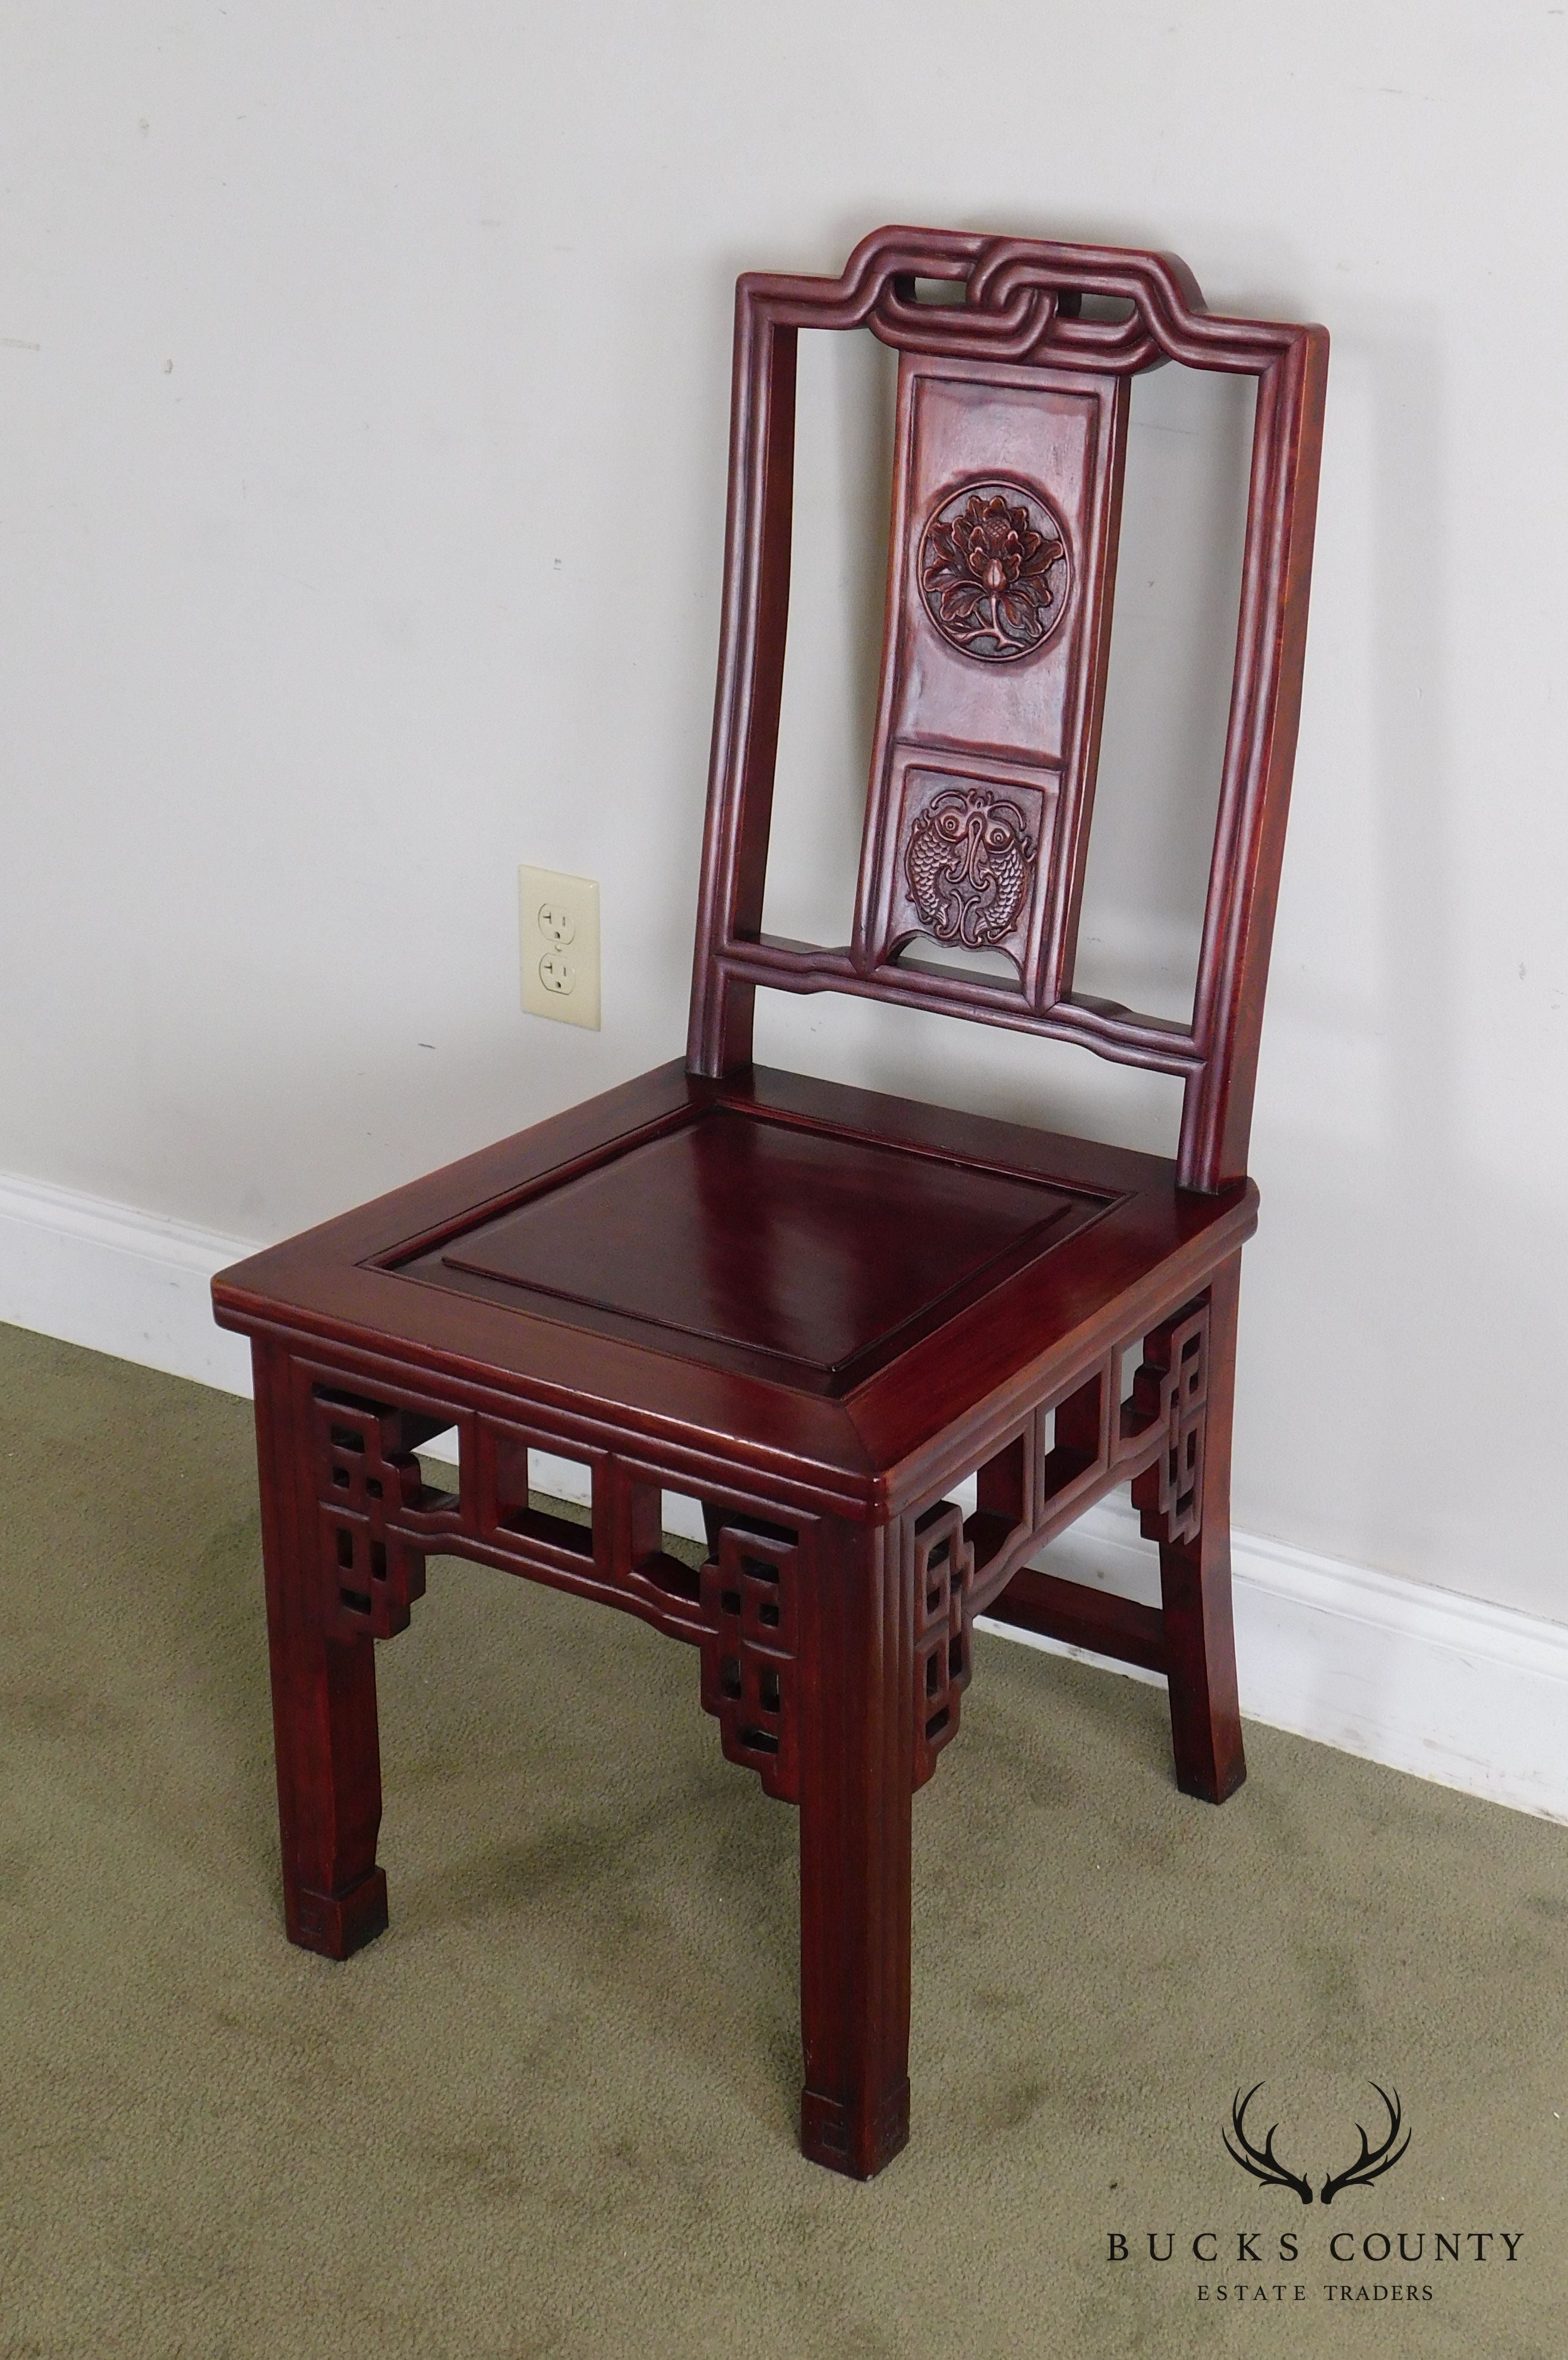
(790, 1265)
(815, 1251)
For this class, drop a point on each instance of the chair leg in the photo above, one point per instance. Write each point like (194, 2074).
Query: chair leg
(1194, 1581)
(857, 1788)
(323, 1705)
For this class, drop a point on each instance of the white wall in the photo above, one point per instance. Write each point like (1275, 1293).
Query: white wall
(364, 376)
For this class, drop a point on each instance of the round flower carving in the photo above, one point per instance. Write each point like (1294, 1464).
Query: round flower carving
(968, 861)
(994, 572)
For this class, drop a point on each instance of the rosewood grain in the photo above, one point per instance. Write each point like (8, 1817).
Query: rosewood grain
(814, 1308)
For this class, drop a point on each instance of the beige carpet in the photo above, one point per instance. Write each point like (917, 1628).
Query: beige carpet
(550, 2112)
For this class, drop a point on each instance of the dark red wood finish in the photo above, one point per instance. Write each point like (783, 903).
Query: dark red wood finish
(813, 1308)
(1018, 339)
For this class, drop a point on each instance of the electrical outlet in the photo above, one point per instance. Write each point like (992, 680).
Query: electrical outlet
(560, 919)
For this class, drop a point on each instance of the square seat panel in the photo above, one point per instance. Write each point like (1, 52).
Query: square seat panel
(813, 1252)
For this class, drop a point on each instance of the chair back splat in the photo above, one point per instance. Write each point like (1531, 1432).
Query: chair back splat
(1009, 453)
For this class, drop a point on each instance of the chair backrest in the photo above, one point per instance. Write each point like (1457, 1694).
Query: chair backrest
(1010, 448)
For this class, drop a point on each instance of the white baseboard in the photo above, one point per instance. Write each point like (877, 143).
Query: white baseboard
(1448, 1688)
(1451, 1689)
(119, 1281)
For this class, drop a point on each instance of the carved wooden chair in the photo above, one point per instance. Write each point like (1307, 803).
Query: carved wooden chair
(813, 1308)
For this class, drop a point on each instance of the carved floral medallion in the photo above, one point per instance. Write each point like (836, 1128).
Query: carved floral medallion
(993, 571)
(968, 861)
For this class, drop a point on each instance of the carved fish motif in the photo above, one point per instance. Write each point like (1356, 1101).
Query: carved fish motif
(968, 861)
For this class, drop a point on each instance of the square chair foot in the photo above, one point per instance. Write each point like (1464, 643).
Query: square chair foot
(1211, 1783)
(831, 2135)
(335, 1925)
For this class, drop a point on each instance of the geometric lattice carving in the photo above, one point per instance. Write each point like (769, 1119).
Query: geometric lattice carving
(366, 1474)
(1079, 1451)
(1171, 1390)
(944, 1571)
(749, 1654)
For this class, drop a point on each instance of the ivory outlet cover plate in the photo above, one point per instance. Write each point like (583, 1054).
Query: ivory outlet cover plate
(560, 930)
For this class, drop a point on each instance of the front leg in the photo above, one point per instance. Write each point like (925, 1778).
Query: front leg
(324, 1697)
(857, 1709)
(1184, 1499)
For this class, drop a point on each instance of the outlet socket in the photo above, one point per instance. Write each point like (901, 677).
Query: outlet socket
(560, 933)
